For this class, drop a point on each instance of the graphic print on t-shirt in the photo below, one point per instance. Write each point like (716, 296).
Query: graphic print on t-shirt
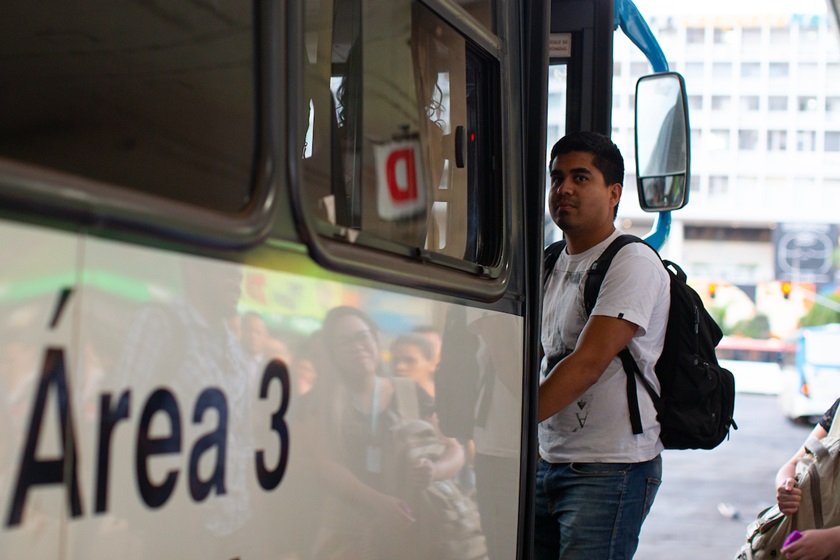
(582, 413)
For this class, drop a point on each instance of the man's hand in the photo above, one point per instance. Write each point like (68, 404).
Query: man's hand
(600, 341)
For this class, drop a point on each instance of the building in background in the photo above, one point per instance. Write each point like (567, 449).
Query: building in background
(763, 80)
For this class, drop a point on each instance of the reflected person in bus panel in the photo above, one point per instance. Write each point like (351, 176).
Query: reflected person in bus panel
(350, 426)
(188, 347)
(414, 357)
(596, 480)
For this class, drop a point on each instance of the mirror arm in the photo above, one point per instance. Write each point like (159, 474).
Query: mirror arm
(658, 234)
(637, 30)
(627, 17)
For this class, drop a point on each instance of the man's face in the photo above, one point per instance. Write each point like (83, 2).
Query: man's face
(409, 361)
(354, 347)
(579, 198)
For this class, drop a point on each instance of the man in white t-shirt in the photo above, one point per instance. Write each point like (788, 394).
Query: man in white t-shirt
(596, 480)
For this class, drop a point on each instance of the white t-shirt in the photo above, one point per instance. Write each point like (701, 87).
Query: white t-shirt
(596, 427)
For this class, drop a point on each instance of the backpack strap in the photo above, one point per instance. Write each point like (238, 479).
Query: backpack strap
(598, 270)
(550, 256)
(591, 288)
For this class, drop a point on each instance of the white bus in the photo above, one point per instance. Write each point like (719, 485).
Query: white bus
(215, 219)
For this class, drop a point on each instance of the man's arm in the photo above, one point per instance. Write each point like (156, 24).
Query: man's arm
(600, 341)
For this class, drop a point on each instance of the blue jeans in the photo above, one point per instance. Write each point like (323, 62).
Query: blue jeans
(592, 511)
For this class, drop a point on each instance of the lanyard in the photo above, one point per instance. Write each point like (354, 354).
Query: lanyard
(374, 407)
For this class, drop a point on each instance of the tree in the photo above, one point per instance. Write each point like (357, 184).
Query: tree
(718, 313)
(756, 327)
(821, 314)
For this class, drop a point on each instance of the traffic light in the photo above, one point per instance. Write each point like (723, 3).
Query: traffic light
(786, 287)
(712, 289)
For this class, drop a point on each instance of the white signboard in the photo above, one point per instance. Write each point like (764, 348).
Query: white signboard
(400, 183)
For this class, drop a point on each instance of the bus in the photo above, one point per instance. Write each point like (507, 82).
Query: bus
(811, 383)
(756, 363)
(220, 220)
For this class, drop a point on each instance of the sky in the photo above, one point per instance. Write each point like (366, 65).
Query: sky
(732, 7)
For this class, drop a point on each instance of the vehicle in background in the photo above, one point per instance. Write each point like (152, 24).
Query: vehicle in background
(756, 363)
(812, 384)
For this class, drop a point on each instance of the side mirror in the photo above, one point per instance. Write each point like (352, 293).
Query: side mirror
(662, 142)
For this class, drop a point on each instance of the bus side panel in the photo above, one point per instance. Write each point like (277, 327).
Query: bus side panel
(195, 440)
(38, 310)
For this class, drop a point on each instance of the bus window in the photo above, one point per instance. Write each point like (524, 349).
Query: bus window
(555, 129)
(155, 99)
(400, 144)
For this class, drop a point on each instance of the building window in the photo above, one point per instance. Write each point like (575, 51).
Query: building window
(693, 72)
(695, 35)
(718, 140)
(806, 103)
(695, 102)
(695, 184)
(808, 72)
(639, 69)
(832, 72)
(776, 140)
(747, 140)
(809, 33)
(832, 141)
(779, 35)
(722, 70)
(832, 107)
(721, 102)
(696, 138)
(806, 140)
(751, 36)
(775, 182)
(750, 69)
(723, 36)
(777, 103)
(616, 69)
(749, 102)
(718, 185)
(779, 69)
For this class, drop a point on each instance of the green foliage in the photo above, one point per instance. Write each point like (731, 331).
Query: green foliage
(820, 314)
(756, 327)
(718, 313)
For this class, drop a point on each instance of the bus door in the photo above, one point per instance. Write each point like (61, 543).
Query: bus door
(580, 97)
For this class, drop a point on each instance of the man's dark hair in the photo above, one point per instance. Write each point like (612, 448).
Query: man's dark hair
(607, 157)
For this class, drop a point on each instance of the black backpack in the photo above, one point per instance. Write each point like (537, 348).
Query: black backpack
(697, 400)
